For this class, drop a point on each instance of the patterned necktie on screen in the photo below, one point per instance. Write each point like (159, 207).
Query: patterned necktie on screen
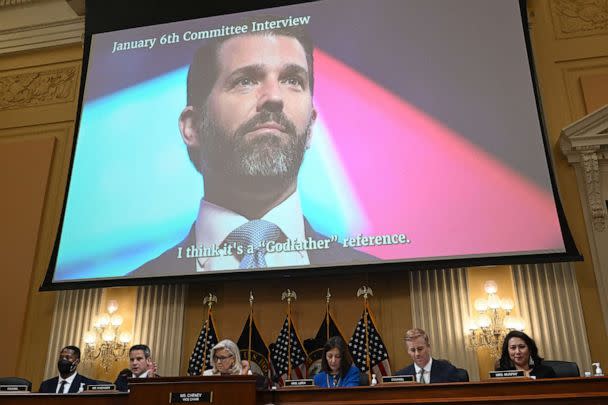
(254, 234)
(62, 387)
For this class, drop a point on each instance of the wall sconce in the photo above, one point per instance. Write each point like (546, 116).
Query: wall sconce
(493, 321)
(106, 342)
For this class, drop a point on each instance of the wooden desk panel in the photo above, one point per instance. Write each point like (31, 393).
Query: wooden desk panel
(241, 391)
(62, 399)
(234, 390)
(592, 390)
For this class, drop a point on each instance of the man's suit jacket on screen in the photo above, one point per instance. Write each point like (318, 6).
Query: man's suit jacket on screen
(442, 371)
(50, 386)
(168, 264)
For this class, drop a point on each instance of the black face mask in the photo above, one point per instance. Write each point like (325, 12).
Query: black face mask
(65, 366)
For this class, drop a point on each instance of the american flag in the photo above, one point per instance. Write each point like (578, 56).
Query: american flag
(206, 340)
(279, 353)
(378, 356)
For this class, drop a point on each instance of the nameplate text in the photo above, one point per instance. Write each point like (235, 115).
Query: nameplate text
(13, 387)
(507, 374)
(299, 383)
(398, 379)
(184, 397)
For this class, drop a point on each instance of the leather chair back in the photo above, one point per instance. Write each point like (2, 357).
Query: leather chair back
(563, 368)
(16, 381)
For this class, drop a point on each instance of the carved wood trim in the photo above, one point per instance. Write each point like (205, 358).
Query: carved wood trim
(585, 143)
(591, 170)
(38, 88)
(576, 18)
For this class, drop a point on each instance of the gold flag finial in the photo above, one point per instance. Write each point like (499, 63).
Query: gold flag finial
(365, 291)
(209, 300)
(288, 295)
(328, 296)
(251, 297)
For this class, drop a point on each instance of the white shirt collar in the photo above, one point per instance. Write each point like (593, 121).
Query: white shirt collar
(142, 375)
(214, 223)
(427, 367)
(68, 381)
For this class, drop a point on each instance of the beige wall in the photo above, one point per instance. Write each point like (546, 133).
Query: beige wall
(37, 109)
(570, 52)
(37, 112)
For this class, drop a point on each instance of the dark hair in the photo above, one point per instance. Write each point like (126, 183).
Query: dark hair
(505, 362)
(346, 361)
(144, 348)
(75, 349)
(203, 70)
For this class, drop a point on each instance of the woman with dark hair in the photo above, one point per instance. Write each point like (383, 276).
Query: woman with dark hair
(337, 369)
(519, 352)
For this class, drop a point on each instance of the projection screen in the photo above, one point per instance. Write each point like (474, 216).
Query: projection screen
(342, 134)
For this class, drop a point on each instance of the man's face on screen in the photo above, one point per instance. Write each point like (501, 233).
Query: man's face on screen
(258, 116)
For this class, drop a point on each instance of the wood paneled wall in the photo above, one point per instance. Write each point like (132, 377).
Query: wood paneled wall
(39, 92)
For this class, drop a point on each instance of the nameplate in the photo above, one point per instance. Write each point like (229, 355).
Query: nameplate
(13, 388)
(101, 387)
(507, 374)
(183, 397)
(398, 379)
(299, 383)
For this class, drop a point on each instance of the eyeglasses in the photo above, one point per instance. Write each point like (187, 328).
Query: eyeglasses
(219, 359)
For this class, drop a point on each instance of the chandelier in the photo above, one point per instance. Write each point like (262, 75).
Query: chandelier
(106, 342)
(492, 322)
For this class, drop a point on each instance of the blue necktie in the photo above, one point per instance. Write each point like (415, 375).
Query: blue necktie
(254, 235)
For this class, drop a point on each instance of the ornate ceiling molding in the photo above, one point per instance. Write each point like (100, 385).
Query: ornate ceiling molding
(40, 32)
(42, 36)
(6, 3)
(77, 5)
(585, 143)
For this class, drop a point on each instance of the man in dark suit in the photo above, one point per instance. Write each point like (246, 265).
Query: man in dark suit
(425, 368)
(247, 124)
(68, 381)
(141, 365)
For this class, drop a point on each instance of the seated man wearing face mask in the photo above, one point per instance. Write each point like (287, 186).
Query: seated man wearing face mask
(68, 381)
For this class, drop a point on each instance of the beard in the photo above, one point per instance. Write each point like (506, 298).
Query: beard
(265, 160)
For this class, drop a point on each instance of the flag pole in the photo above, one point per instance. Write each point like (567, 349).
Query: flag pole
(208, 300)
(289, 295)
(327, 299)
(250, 322)
(366, 291)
